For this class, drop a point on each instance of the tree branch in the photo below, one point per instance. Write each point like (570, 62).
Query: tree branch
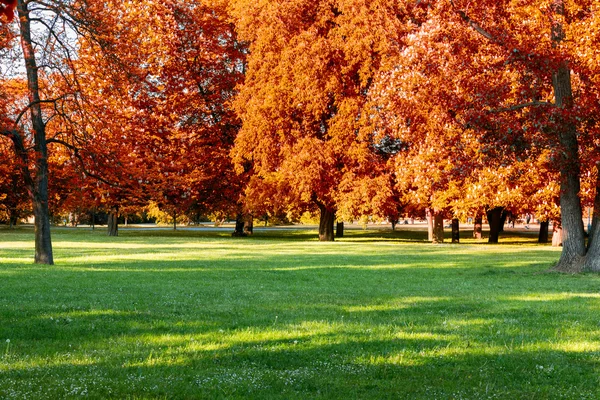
(521, 106)
(33, 103)
(463, 15)
(75, 151)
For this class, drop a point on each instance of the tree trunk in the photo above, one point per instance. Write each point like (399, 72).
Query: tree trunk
(543, 235)
(174, 220)
(455, 230)
(494, 217)
(239, 226)
(12, 218)
(557, 233)
(573, 235)
(438, 227)
(429, 218)
(113, 221)
(339, 229)
(478, 227)
(249, 224)
(326, 224)
(503, 218)
(592, 259)
(39, 188)
(394, 222)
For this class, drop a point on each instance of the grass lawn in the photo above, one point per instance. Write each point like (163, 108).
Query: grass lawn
(376, 315)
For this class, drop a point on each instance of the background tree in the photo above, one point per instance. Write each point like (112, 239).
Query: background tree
(303, 101)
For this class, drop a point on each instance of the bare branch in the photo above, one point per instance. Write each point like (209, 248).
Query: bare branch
(36, 103)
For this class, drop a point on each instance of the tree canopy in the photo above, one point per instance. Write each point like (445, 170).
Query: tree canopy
(346, 108)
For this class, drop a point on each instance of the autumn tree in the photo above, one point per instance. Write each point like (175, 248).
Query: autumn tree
(164, 96)
(302, 105)
(542, 44)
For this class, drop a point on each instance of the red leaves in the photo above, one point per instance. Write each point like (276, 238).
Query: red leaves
(7, 8)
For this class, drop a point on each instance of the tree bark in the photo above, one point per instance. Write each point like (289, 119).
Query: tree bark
(429, 218)
(438, 227)
(543, 235)
(326, 224)
(239, 226)
(249, 224)
(39, 190)
(557, 233)
(495, 221)
(478, 227)
(339, 229)
(573, 234)
(113, 221)
(455, 230)
(503, 218)
(592, 259)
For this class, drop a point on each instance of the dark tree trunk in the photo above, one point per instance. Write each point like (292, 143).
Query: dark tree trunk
(494, 217)
(174, 220)
(543, 236)
(455, 230)
(113, 221)
(503, 218)
(249, 224)
(478, 227)
(557, 232)
(339, 229)
(394, 222)
(326, 224)
(429, 218)
(39, 187)
(239, 226)
(573, 234)
(13, 218)
(438, 227)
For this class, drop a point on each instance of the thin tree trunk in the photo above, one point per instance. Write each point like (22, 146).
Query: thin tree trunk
(438, 227)
(339, 229)
(174, 220)
(39, 189)
(494, 220)
(543, 235)
(455, 230)
(12, 218)
(326, 224)
(429, 218)
(113, 221)
(478, 227)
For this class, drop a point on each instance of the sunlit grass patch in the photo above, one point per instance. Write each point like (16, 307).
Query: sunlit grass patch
(203, 315)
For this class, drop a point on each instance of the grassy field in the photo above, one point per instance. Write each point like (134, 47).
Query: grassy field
(375, 315)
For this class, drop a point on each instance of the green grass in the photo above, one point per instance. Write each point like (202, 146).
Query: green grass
(376, 315)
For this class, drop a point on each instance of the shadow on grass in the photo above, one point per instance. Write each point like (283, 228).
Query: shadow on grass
(428, 348)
